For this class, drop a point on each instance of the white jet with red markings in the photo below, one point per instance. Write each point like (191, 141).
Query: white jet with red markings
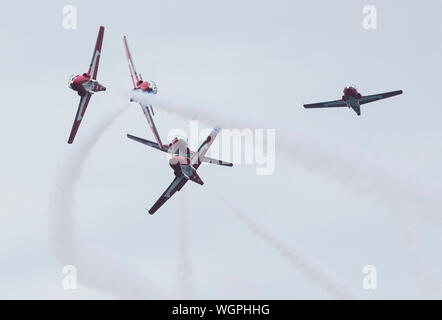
(145, 87)
(183, 162)
(353, 99)
(86, 85)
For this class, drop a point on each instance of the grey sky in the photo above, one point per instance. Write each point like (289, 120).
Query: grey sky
(254, 61)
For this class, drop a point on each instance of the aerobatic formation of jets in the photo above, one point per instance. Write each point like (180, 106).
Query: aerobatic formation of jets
(183, 161)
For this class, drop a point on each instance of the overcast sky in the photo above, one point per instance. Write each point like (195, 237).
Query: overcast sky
(251, 62)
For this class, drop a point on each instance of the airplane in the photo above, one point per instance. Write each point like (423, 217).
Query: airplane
(86, 85)
(353, 99)
(184, 163)
(145, 87)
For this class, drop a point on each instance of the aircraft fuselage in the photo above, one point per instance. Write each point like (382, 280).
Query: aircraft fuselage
(351, 97)
(144, 86)
(176, 163)
(180, 162)
(147, 86)
(83, 84)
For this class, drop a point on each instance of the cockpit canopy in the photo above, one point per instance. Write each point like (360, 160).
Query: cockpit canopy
(71, 80)
(350, 90)
(153, 87)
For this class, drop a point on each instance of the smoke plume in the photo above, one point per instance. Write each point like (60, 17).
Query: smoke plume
(300, 261)
(96, 268)
(184, 264)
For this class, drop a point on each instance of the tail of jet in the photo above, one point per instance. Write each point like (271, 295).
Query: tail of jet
(190, 174)
(196, 178)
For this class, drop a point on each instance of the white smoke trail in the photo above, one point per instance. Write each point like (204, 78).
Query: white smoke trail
(96, 269)
(184, 264)
(300, 261)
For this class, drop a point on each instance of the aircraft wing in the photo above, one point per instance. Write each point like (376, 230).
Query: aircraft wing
(216, 161)
(84, 101)
(149, 118)
(328, 104)
(148, 143)
(133, 72)
(197, 157)
(380, 96)
(93, 67)
(175, 186)
(165, 149)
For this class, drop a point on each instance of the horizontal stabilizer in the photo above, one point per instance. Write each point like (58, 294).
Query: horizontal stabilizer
(218, 162)
(196, 178)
